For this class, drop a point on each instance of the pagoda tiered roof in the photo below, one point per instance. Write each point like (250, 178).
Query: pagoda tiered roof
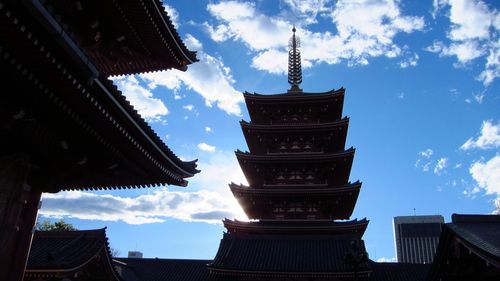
(327, 202)
(295, 107)
(353, 228)
(315, 137)
(299, 168)
(285, 256)
(60, 254)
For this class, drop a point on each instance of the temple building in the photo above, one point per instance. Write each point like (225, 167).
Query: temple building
(71, 255)
(468, 250)
(299, 200)
(65, 126)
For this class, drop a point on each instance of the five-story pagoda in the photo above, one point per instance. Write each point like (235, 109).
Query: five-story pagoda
(299, 197)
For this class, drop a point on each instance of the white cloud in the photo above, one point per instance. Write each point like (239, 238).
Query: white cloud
(173, 14)
(409, 61)
(141, 98)
(473, 33)
(209, 77)
(208, 130)
(423, 160)
(366, 29)
(384, 259)
(188, 107)
(426, 153)
(306, 11)
(464, 52)
(440, 166)
(478, 97)
(192, 43)
(426, 167)
(272, 61)
(487, 174)
(211, 201)
(489, 137)
(203, 206)
(206, 147)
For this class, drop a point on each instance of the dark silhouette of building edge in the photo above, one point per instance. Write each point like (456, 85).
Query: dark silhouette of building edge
(64, 125)
(294, 235)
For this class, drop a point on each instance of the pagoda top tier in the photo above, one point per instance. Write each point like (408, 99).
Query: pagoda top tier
(295, 107)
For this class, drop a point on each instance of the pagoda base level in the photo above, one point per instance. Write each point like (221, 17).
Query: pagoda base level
(315, 256)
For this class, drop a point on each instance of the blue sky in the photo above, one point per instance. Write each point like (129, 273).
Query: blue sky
(422, 93)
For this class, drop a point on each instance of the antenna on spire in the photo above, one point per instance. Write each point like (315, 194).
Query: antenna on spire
(294, 66)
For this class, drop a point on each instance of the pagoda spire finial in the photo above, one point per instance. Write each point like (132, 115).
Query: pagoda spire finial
(294, 66)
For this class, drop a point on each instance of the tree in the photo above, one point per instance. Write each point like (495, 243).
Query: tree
(60, 225)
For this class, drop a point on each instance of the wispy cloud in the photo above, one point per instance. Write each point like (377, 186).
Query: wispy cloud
(203, 206)
(486, 174)
(209, 77)
(488, 138)
(211, 201)
(149, 107)
(208, 129)
(206, 147)
(365, 30)
(474, 31)
(384, 259)
(189, 107)
(440, 166)
(423, 159)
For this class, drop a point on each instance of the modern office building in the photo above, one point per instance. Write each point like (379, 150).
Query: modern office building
(416, 237)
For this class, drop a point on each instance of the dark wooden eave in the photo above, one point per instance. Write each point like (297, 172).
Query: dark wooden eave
(123, 37)
(331, 169)
(73, 124)
(325, 137)
(269, 109)
(331, 202)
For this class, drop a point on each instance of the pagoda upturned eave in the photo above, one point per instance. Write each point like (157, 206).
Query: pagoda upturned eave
(302, 127)
(299, 190)
(354, 227)
(295, 108)
(279, 138)
(295, 157)
(332, 204)
(298, 97)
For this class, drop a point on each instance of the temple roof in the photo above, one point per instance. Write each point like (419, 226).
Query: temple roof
(132, 269)
(75, 125)
(54, 252)
(471, 239)
(138, 36)
(388, 271)
(301, 255)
